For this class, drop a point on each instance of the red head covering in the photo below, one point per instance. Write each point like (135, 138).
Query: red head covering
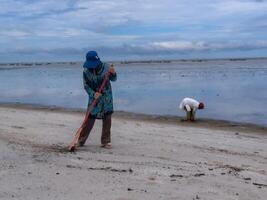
(201, 105)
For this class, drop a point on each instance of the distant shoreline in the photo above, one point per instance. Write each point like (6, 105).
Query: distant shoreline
(165, 119)
(164, 61)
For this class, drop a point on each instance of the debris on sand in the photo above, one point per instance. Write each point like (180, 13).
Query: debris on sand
(73, 167)
(152, 178)
(260, 184)
(199, 174)
(182, 176)
(110, 169)
(130, 170)
(232, 168)
(176, 176)
(197, 197)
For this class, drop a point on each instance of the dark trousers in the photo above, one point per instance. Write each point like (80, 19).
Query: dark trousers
(106, 126)
(190, 115)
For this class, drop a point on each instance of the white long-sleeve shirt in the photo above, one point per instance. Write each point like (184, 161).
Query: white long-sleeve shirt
(189, 104)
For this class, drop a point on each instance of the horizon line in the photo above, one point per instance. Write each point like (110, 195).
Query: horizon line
(140, 61)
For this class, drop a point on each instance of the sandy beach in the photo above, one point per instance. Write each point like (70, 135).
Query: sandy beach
(152, 158)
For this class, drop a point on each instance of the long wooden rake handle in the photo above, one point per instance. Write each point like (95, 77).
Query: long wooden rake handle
(78, 133)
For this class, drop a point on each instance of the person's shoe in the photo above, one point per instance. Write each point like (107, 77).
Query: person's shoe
(106, 146)
(72, 148)
(80, 144)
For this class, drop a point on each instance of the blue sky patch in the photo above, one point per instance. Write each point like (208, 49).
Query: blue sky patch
(123, 29)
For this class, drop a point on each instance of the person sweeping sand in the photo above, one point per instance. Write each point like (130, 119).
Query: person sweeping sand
(96, 78)
(190, 105)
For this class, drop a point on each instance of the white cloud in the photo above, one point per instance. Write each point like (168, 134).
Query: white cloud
(179, 45)
(203, 45)
(240, 7)
(14, 33)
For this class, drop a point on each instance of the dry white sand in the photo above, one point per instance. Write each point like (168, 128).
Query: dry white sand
(150, 159)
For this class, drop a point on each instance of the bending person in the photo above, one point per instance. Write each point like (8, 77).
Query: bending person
(190, 106)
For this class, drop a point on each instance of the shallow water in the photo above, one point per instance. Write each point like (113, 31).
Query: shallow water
(231, 90)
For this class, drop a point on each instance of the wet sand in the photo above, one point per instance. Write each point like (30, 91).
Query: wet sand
(153, 157)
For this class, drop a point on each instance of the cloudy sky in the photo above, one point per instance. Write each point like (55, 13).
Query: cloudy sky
(64, 30)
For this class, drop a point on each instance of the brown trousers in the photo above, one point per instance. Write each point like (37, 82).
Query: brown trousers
(106, 126)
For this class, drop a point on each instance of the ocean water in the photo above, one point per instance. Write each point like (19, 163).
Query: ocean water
(231, 90)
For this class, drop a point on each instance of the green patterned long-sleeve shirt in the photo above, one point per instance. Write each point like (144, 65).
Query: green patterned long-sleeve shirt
(92, 80)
